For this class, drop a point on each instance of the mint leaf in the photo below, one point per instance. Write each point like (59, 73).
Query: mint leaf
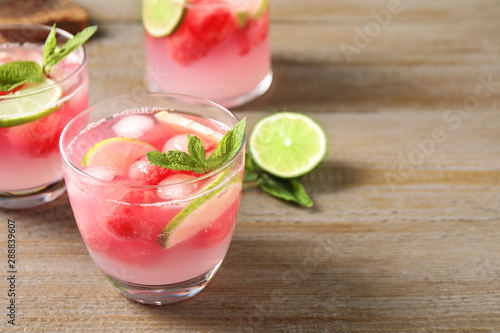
(197, 152)
(219, 155)
(252, 170)
(50, 45)
(286, 189)
(16, 73)
(228, 147)
(72, 44)
(174, 160)
(197, 160)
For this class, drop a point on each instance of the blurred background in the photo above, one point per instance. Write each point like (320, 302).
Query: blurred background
(70, 15)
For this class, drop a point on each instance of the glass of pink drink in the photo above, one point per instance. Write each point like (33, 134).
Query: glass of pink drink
(30, 162)
(215, 49)
(158, 235)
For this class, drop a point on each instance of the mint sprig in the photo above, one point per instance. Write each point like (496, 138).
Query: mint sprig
(286, 189)
(16, 73)
(196, 160)
(52, 56)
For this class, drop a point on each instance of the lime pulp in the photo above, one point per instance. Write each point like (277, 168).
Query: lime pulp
(287, 144)
(161, 17)
(32, 102)
(118, 153)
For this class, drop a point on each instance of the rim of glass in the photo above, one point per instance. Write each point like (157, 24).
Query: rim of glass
(168, 95)
(59, 31)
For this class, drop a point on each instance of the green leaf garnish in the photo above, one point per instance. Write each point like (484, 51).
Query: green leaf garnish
(228, 146)
(50, 45)
(197, 152)
(286, 189)
(54, 56)
(175, 160)
(252, 170)
(16, 73)
(196, 160)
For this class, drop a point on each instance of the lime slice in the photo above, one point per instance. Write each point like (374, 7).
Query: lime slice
(161, 17)
(201, 211)
(28, 104)
(185, 124)
(118, 153)
(287, 144)
(260, 8)
(242, 18)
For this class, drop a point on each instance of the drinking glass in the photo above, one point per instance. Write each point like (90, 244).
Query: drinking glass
(215, 49)
(123, 225)
(30, 162)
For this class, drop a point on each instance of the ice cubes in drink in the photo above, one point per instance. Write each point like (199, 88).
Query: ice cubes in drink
(179, 191)
(133, 126)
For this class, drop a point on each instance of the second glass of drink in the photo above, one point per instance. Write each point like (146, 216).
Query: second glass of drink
(215, 49)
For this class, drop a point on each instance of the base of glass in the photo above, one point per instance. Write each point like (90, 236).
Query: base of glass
(32, 198)
(163, 294)
(228, 102)
(259, 90)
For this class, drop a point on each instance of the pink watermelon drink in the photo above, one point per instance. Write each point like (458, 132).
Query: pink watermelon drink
(215, 49)
(33, 115)
(158, 234)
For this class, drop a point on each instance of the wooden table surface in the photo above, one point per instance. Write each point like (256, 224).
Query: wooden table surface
(405, 232)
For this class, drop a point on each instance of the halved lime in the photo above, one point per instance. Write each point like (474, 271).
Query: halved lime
(27, 104)
(118, 153)
(201, 211)
(161, 17)
(287, 144)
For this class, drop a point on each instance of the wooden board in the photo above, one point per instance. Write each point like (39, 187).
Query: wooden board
(66, 14)
(404, 235)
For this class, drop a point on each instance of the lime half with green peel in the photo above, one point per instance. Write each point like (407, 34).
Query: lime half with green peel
(118, 153)
(287, 144)
(32, 102)
(161, 17)
(201, 211)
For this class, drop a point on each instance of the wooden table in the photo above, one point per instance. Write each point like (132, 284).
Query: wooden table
(405, 232)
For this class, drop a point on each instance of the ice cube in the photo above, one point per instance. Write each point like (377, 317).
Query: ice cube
(144, 173)
(80, 188)
(179, 142)
(180, 191)
(103, 173)
(133, 126)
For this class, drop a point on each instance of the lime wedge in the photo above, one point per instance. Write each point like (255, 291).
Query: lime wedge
(201, 211)
(118, 153)
(186, 124)
(287, 144)
(161, 17)
(242, 18)
(260, 9)
(28, 105)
